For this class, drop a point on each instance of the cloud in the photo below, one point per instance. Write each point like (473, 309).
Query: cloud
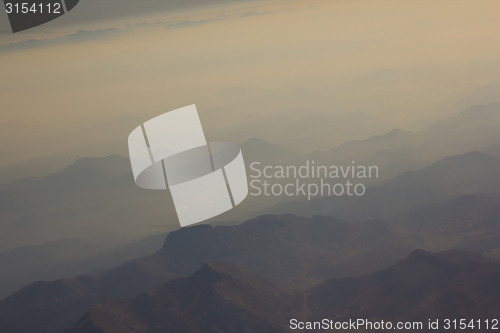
(89, 35)
(80, 36)
(186, 23)
(254, 13)
(92, 35)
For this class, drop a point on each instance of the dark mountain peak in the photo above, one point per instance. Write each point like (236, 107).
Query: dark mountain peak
(230, 277)
(199, 233)
(217, 279)
(219, 297)
(217, 269)
(213, 272)
(187, 248)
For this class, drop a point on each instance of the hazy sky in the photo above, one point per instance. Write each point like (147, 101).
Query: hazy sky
(306, 74)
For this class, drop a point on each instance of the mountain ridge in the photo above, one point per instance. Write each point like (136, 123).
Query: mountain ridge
(407, 290)
(288, 251)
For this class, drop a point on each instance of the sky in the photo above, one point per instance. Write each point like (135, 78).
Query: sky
(307, 75)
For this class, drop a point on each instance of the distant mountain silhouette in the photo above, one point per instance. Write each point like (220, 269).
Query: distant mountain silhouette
(354, 149)
(225, 298)
(90, 194)
(36, 167)
(397, 154)
(473, 172)
(399, 151)
(112, 164)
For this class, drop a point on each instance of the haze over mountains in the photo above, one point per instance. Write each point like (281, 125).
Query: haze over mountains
(79, 219)
(84, 250)
(474, 128)
(76, 220)
(89, 195)
(396, 151)
(93, 205)
(415, 168)
(45, 165)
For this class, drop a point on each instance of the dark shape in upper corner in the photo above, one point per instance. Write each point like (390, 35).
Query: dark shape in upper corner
(37, 12)
(70, 4)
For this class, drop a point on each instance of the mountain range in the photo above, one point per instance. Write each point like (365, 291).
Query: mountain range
(288, 251)
(87, 217)
(91, 194)
(221, 297)
(64, 258)
(397, 151)
(472, 172)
